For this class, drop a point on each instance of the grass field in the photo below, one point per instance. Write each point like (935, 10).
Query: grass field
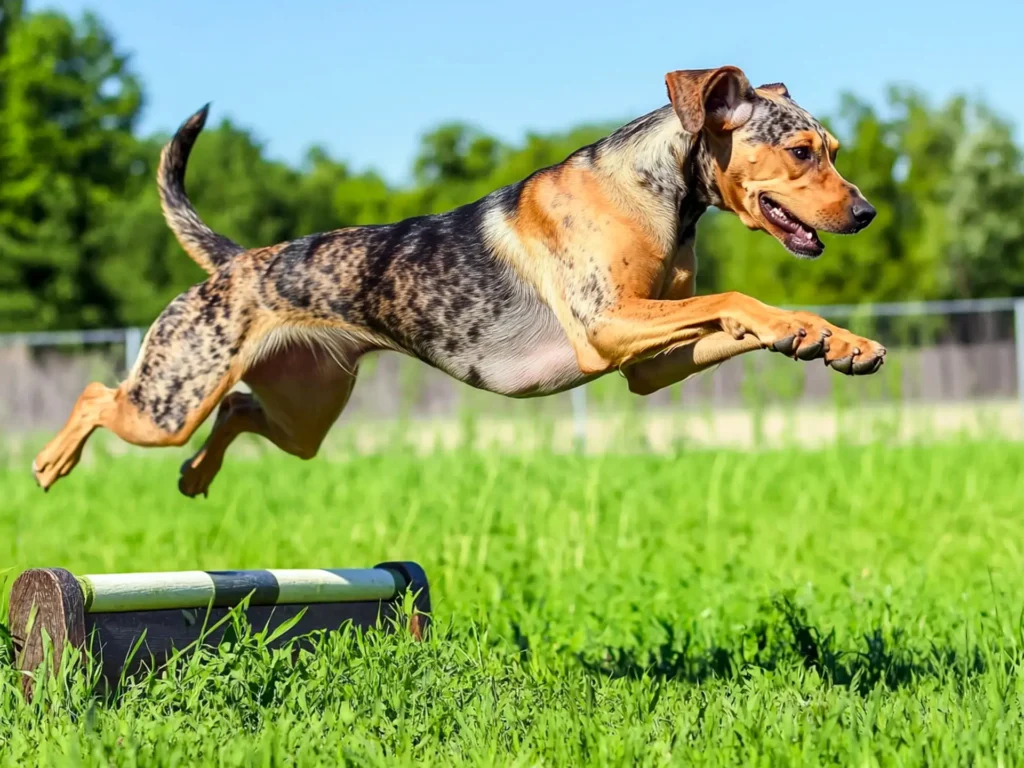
(853, 606)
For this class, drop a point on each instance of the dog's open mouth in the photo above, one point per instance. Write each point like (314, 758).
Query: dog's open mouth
(798, 238)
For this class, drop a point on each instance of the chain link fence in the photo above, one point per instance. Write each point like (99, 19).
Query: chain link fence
(954, 364)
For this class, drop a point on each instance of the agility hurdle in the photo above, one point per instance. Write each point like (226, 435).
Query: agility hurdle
(107, 614)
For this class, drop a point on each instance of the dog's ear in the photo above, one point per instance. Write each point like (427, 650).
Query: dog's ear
(777, 88)
(720, 99)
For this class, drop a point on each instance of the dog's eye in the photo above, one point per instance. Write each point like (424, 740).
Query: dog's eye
(801, 153)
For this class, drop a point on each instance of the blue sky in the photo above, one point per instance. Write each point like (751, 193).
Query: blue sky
(365, 79)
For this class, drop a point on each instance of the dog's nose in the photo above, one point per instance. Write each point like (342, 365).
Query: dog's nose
(863, 212)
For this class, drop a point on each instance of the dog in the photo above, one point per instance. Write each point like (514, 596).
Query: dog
(583, 268)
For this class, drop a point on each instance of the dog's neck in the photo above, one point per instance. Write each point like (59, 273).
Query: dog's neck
(661, 173)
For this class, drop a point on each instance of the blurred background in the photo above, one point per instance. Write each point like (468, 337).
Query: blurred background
(338, 114)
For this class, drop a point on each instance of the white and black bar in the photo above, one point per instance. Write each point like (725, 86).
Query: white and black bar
(121, 592)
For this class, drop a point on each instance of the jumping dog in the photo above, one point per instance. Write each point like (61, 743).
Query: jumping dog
(583, 268)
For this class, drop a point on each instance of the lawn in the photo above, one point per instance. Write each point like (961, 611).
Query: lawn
(854, 606)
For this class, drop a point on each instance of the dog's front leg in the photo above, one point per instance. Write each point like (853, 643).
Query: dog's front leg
(693, 333)
(668, 368)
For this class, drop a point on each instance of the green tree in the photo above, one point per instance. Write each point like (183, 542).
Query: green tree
(83, 241)
(236, 190)
(985, 213)
(454, 153)
(11, 12)
(69, 104)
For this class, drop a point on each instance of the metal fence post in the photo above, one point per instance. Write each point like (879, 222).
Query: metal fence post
(1018, 346)
(132, 344)
(579, 418)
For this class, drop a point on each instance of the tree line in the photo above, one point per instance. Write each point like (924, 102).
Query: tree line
(83, 243)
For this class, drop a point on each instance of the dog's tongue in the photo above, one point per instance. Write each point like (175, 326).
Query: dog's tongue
(804, 240)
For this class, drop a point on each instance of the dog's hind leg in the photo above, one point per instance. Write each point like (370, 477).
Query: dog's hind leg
(188, 362)
(298, 394)
(238, 413)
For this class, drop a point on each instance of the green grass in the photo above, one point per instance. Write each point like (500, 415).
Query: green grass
(855, 606)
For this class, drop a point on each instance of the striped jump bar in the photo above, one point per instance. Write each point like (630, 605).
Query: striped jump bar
(119, 592)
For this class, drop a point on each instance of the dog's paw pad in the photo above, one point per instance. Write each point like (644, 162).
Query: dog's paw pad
(868, 366)
(843, 365)
(811, 351)
(786, 346)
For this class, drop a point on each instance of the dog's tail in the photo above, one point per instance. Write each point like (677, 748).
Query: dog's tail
(208, 249)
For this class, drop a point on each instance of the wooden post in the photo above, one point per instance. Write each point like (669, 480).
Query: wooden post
(108, 614)
(55, 606)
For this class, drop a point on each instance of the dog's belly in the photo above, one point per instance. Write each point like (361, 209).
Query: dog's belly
(542, 368)
(526, 355)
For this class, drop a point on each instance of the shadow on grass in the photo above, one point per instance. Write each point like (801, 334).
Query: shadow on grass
(786, 638)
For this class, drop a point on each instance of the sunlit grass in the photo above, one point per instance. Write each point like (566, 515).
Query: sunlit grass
(856, 605)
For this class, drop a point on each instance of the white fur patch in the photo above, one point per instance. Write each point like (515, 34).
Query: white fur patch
(339, 346)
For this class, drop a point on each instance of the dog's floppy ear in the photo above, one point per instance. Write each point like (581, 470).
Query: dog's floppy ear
(777, 88)
(720, 99)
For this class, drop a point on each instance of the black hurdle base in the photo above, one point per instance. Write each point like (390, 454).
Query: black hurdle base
(59, 609)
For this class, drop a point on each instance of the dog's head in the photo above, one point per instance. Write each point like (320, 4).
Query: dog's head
(774, 164)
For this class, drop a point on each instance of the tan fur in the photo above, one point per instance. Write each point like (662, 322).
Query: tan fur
(818, 197)
(293, 413)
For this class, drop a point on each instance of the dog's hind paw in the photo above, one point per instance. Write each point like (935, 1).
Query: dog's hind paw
(48, 471)
(196, 476)
(35, 476)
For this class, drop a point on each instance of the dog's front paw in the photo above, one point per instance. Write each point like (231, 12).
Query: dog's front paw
(855, 356)
(804, 336)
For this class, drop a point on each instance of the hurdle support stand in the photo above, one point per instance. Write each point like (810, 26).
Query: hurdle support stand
(107, 614)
